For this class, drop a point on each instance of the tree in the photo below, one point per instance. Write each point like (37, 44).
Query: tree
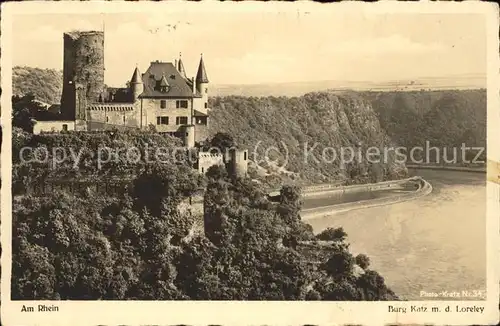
(339, 264)
(222, 141)
(332, 234)
(217, 172)
(363, 261)
(23, 112)
(290, 204)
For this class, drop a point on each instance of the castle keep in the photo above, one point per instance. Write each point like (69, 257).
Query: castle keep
(83, 72)
(163, 96)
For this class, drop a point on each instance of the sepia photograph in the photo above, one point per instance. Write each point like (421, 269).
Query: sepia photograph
(182, 154)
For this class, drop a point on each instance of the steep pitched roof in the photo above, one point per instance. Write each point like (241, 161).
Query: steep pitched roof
(136, 77)
(181, 69)
(189, 81)
(199, 114)
(201, 76)
(153, 77)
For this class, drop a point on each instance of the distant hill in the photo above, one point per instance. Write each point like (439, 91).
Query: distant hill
(44, 84)
(471, 81)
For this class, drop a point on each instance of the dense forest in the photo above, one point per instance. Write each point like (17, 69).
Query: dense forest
(44, 84)
(146, 244)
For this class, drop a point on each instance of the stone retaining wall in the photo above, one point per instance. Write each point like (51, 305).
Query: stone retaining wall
(449, 168)
(424, 188)
(341, 190)
(338, 191)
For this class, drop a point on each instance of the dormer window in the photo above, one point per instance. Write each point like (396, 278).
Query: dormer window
(163, 85)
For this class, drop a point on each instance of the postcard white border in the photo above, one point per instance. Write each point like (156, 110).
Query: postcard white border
(235, 312)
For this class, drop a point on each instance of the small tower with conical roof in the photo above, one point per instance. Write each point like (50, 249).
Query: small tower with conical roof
(202, 84)
(136, 84)
(180, 67)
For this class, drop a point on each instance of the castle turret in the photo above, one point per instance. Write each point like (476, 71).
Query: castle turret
(188, 136)
(136, 84)
(180, 67)
(202, 84)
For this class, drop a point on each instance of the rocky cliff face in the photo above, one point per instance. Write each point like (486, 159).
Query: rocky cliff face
(445, 119)
(304, 134)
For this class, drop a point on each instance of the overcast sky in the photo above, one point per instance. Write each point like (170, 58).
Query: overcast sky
(247, 48)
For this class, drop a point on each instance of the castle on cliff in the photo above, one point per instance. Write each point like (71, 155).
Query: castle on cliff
(163, 96)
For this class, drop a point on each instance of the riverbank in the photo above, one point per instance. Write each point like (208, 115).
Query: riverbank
(443, 233)
(422, 188)
(479, 169)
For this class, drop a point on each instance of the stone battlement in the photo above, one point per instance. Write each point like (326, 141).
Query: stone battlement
(111, 107)
(209, 155)
(78, 34)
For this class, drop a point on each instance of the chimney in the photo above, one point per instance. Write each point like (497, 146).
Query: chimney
(177, 68)
(194, 85)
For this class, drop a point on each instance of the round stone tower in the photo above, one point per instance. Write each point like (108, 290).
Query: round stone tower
(83, 65)
(188, 136)
(238, 163)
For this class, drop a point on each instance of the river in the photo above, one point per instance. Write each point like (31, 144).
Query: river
(433, 243)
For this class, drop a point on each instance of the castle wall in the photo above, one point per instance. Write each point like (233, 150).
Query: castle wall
(200, 133)
(81, 125)
(53, 126)
(80, 101)
(83, 64)
(79, 187)
(206, 160)
(115, 114)
(151, 110)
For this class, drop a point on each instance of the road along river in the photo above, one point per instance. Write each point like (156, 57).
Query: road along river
(433, 243)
